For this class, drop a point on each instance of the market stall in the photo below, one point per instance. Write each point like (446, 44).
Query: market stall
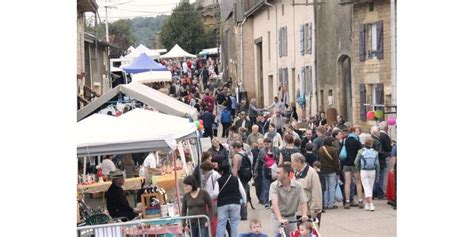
(177, 52)
(138, 130)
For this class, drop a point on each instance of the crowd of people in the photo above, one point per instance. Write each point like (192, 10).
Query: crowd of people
(295, 173)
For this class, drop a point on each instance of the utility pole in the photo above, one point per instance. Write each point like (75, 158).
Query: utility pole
(107, 23)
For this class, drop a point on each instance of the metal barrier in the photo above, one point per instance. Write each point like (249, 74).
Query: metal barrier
(169, 226)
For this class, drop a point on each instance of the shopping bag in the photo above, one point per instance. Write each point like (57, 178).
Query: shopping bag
(390, 191)
(339, 197)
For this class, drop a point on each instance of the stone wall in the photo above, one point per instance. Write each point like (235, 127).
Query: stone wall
(371, 71)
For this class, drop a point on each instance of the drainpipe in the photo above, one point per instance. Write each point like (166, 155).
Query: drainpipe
(276, 41)
(393, 29)
(242, 53)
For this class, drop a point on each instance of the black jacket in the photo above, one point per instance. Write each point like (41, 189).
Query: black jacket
(208, 119)
(117, 203)
(352, 147)
(219, 156)
(386, 146)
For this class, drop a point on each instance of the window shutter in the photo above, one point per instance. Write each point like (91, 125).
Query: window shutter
(302, 82)
(379, 92)
(362, 42)
(310, 78)
(279, 43)
(379, 52)
(302, 39)
(363, 112)
(310, 35)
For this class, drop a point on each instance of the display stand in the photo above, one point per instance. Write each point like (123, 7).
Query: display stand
(146, 199)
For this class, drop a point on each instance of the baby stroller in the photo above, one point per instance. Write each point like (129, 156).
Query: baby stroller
(296, 233)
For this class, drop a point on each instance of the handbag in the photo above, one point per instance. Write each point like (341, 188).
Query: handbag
(327, 153)
(339, 197)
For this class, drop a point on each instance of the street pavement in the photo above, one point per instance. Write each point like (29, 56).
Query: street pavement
(337, 222)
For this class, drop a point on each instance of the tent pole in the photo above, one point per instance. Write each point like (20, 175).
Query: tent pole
(176, 181)
(85, 167)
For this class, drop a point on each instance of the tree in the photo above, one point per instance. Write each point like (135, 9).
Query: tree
(120, 34)
(186, 28)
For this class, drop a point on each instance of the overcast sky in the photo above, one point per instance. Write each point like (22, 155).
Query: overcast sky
(121, 9)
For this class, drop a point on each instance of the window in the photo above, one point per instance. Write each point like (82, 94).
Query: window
(373, 38)
(283, 41)
(282, 9)
(371, 6)
(268, 14)
(371, 41)
(308, 35)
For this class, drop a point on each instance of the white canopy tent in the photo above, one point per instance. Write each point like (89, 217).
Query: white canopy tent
(142, 49)
(177, 52)
(152, 76)
(144, 94)
(138, 130)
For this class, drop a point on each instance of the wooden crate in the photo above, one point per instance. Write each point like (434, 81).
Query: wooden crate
(145, 200)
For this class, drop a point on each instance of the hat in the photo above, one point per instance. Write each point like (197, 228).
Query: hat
(116, 174)
(242, 113)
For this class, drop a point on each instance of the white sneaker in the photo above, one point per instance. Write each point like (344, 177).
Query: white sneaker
(372, 207)
(366, 207)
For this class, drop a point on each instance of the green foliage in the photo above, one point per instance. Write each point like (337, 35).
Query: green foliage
(120, 34)
(186, 28)
(144, 29)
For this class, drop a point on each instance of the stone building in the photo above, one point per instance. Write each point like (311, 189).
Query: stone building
(283, 33)
(374, 54)
(334, 57)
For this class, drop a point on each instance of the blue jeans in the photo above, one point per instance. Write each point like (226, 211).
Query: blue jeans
(265, 188)
(330, 193)
(199, 230)
(232, 212)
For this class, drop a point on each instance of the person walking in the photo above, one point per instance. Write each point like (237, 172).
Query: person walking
(265, 161)
(196, 201)
(367, 162)
(208, 119)
(287, 197)
(230, 192)
(329, 158)
(352, 146)
(226, 121)
(242, 168)
(288, 150)
(262, 123)
(309, 180)
(253, 111)
(218, 152)
(274, 136)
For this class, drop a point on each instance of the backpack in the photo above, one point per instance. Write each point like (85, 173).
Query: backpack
(343, 152)
(245, 170)
(369, 159)
(226, 117)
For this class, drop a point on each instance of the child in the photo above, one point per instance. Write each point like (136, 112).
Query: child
(255, 227)
(306, 229)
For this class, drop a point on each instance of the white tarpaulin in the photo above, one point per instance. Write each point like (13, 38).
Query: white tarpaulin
(142, 49)
(138, 130)
(152, 76)
(177, 52)
(145, 94)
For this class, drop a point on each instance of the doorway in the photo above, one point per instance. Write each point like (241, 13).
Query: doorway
(345, 77)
